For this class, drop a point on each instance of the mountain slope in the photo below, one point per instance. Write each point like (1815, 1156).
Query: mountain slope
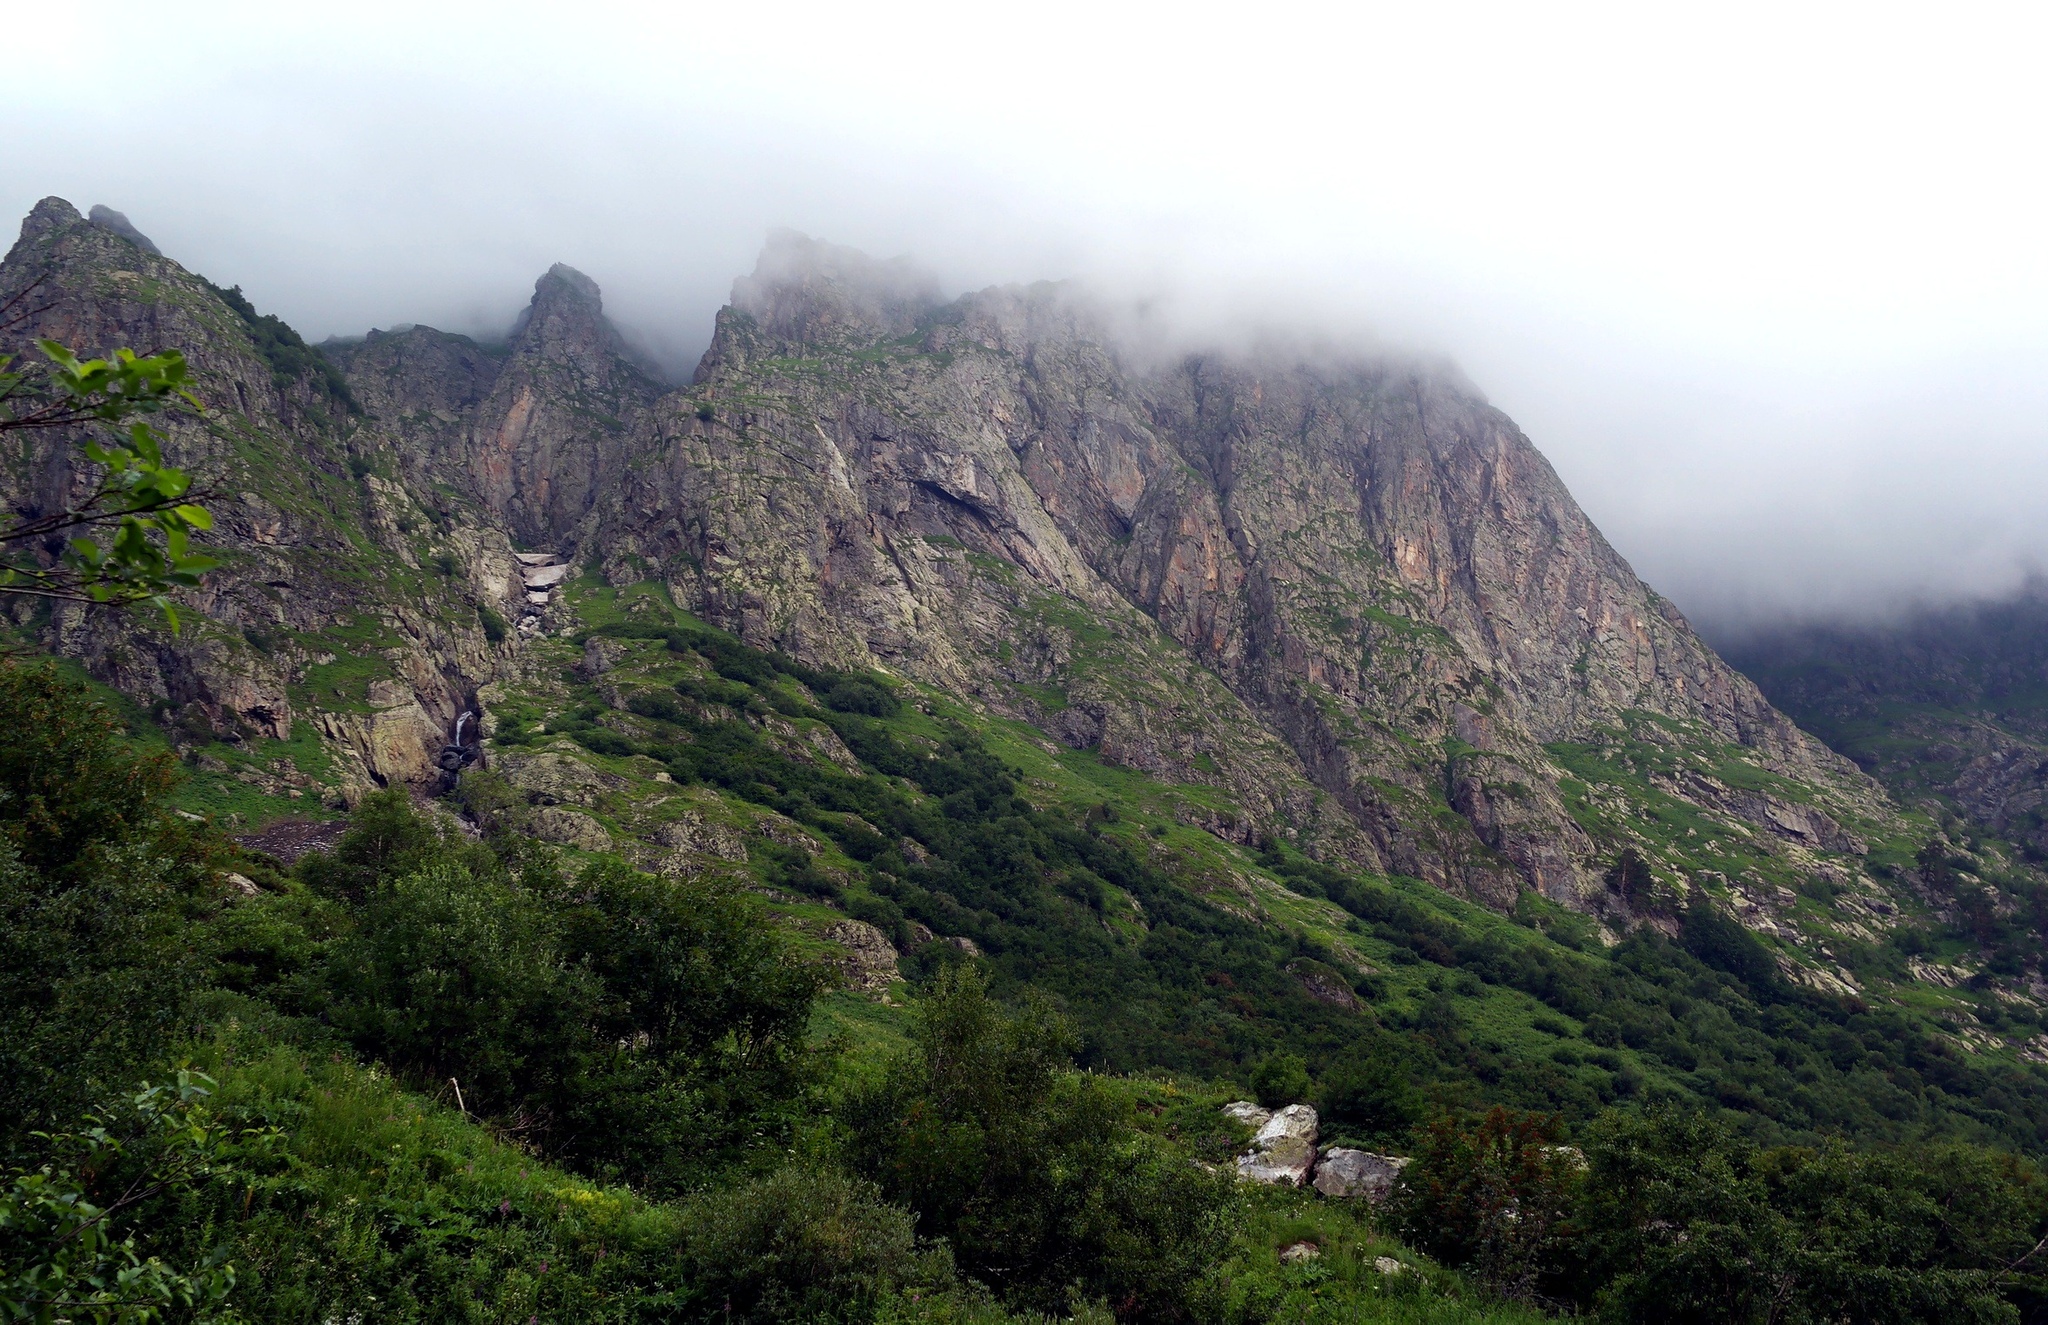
(1321, 648)
(1948, 707)
(1378, 568)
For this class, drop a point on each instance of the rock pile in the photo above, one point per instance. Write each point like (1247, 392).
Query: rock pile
(540, 572)
(1284, 1153)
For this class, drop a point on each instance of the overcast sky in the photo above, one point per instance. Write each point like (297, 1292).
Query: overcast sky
(1768, 283)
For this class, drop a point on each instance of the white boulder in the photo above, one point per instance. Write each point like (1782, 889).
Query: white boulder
(1246, 1112)
(1284, 1151)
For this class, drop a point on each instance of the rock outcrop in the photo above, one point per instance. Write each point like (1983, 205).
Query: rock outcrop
(318, 615)
(1283, 1151)
(869, 965)
(1347, 593)
(1346, 1173)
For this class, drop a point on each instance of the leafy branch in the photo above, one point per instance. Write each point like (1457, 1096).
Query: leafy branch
(62, 1261)
(126, 539)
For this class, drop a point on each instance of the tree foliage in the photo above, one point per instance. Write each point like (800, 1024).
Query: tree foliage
(100, 885)
(124, 536)
(1034, 1174)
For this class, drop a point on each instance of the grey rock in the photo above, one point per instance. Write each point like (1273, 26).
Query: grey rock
(1248, 1113)
(870, 961)
(601, 654)
(1345, 1173)
(549, 778)
(692, 833)
(572, 828)
(987, 496)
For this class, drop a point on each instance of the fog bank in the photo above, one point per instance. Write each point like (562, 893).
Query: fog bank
(1763, 281)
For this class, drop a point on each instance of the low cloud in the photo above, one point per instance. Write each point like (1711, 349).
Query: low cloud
(1774, 308)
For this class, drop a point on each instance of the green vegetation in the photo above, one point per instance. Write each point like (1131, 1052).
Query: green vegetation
(1063, 894)
(1665, 1216)
(428, 1075)
(126, 536)
(291, 360)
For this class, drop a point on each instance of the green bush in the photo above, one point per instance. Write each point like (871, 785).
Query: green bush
(494, 625)
(1033, 1173)
(453, 975)
(99, 888)
(1280, 1078)
(63, 1253)
(1492, 1195)
(803, 1244)
(1681, 1221)
(1368, 1092)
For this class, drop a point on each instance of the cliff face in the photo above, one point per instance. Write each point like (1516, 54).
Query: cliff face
(529, 433)
(326, 613)
(1352, 597)
(1345, 604)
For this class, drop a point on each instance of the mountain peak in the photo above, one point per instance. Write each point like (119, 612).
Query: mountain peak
(563, 280)
(52, 213)
(106, 218)
(805, 289)
(567, 306)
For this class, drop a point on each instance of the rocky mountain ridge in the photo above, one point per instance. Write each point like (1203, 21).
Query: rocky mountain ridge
(1376, 566)
(1343, 605)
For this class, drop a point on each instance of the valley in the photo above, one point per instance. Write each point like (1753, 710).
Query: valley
(1279, 723)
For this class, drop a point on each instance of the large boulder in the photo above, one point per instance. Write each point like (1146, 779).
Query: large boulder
(548, 778)
(693, 833)
(870, 961)
(1342, 1172)
(569, 828)
(1248, 1113)
(1284, 1151)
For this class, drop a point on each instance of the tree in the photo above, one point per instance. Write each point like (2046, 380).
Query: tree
(1492, 1195)
(127, 537)
(1680, 1220)
(99, 883)
(1034, 1173)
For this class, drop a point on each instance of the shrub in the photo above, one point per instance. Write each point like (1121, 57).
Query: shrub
(1367, 1092)
(494, 625)
(858, 694)
(454, 975)
(1680, 1221)
(1492, 1195)
(1035, 1173)
(62, 1255)
(803, 1243)
(98, 885)
(1280, 1078)
(701, 1031)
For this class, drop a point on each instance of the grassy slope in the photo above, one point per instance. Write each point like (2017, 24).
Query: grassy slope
(1510, 1043)
(1500, 1037)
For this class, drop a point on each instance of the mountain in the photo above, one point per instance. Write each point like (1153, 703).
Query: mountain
(1947, 707)
(1318, 650)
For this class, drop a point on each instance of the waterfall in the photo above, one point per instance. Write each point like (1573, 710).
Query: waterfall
(466, 716)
